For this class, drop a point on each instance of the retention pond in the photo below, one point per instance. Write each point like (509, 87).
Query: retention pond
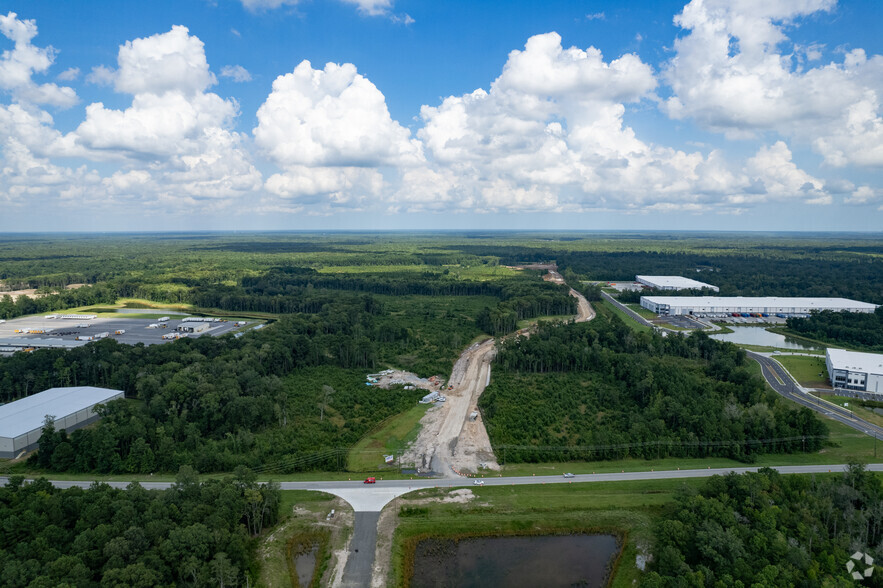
(760, 336)
(549, 560)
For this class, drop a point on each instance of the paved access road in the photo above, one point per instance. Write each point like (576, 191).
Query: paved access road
(372, 497)
(782, 382)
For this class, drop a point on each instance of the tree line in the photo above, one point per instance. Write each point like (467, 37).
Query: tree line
(853, 329)
(195, 533)
(599, 390)
(768, 529)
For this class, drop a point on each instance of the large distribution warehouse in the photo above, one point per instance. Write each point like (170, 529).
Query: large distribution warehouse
(672, 305)
(674, 283)
(854, 370)
(21, 422)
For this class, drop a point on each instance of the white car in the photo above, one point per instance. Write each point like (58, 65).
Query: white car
(478, 483)
(568, 475)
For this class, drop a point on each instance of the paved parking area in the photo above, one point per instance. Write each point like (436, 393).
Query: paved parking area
(137, 330)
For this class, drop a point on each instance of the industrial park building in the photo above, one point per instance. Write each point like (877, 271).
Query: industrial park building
(673, 305)
(673, 283)
(853, 370)
(21, 422)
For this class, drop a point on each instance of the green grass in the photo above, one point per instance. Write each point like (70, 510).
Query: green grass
(629, 321)
(642, 311)
(810, 372)
(627, 509)
(392, 437)
(857, 407)
(768, 349)
(845, 444)
(558, 318)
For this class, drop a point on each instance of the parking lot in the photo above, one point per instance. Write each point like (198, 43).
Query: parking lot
(124, 330)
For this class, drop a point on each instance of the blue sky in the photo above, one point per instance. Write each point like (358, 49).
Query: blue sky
(361, 114)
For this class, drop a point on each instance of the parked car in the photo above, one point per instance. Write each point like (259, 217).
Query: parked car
(568, 475)
(370, 481)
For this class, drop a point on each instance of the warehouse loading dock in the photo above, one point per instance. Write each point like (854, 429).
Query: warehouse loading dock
(702, 305)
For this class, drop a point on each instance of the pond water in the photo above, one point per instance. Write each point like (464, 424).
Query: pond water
(305, 564)
(551, 560)
(760, 336)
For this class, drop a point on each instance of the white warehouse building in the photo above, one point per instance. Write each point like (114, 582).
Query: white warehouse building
(21, 422)
(673, 283)
(673, 305)
(854, 370)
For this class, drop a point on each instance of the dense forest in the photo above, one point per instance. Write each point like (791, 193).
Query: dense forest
(194, 534)
(768, 529)
(852, 329)
(599, 390)
(219, 402)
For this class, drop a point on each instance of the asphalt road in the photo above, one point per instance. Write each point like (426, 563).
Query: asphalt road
(782, 382)
(360, 562)
(368, 499)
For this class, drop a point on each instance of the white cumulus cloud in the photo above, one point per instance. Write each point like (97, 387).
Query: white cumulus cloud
(26, 59)
(331, 117)
(734, 72)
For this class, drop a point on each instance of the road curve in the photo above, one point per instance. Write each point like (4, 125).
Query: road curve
(782, 382)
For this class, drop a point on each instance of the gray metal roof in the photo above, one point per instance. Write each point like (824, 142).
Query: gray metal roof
(27, 414)
(758, 302)
(24, 342)
(855, 361)
(679, 282)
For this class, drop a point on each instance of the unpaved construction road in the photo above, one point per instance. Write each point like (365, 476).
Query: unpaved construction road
(451, 442)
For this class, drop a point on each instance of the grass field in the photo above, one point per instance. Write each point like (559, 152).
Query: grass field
(395, 434)
(558, 318)
(810, 372)
(632, 323)
(856, 407)
(642, 311)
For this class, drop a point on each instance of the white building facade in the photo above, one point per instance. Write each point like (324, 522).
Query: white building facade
(853, 370)
(674, 305)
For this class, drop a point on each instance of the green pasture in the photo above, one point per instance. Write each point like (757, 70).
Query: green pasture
(810, 372)
(392, 437)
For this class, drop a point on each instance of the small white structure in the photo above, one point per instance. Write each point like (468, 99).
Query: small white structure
(78, 317)
(431, 397)
(854, 370)
(189, 327)
(21, 422)
(673, 283)
(673, 305)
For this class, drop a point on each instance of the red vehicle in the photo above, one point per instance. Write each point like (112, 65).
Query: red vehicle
(370, 481)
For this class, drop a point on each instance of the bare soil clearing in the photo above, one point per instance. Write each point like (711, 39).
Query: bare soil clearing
(452, 442)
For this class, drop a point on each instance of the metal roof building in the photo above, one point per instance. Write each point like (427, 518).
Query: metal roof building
(21, 422)
(673, 283)
(672, 305)
(854, 370)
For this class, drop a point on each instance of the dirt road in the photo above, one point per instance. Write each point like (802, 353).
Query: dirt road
(585, 312)
(452, 442)
(449, 441)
